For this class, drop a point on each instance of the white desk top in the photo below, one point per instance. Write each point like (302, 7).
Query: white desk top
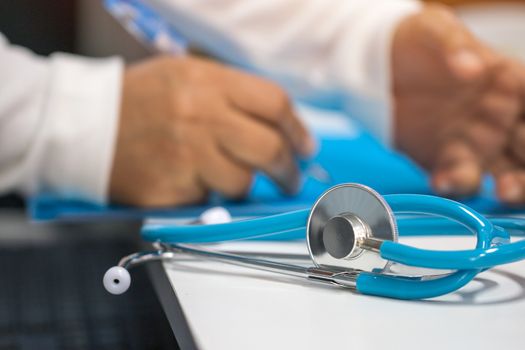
(230, 307)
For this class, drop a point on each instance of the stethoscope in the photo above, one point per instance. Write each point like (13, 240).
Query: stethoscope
(352, 239)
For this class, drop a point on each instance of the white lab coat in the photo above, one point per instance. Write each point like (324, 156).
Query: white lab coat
(326, 51)
(58, 120)
(59, 116)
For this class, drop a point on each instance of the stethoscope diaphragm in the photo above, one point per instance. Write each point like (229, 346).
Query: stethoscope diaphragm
(343, 217)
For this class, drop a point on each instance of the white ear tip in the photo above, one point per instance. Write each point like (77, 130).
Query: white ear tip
(117, 280)
(215, 215)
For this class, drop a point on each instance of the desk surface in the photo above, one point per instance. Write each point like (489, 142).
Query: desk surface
(230, 307)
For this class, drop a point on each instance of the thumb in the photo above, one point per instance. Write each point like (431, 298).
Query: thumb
(519, 71)
(458, 170)
(464, 55)
(466, 63)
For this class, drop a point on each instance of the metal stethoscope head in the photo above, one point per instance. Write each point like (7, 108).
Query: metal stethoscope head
(352, 238)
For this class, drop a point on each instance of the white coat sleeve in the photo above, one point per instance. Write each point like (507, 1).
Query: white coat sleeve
(326, 51)
(58, 121)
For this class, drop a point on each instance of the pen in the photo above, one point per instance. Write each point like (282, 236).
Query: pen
(147, 26)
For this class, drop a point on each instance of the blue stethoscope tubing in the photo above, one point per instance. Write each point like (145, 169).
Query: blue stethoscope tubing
(492, 248)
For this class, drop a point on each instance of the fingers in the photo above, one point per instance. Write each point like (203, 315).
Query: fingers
(267, 101)
(518, 73)
(510, 179)
(505, 169)
(518, 142)
(501, 104)
(458, 171)
(510, 187)
(260, 146)
(500, 109)
(223, 174)
(488, 142)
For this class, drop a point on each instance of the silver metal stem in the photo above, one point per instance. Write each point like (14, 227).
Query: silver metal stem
(345, 279)
(140, 258)
(371, 244)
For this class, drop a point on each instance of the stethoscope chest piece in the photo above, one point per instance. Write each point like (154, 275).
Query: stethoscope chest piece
(344, 218)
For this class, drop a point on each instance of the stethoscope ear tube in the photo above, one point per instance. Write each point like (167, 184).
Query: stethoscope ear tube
(400, 287)
(454, 260)
(484, 256)
(291, 225)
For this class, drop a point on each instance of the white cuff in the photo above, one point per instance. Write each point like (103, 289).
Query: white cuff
(76, 145)
(371, 37)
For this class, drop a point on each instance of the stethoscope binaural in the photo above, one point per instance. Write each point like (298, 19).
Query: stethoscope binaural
(352, 239)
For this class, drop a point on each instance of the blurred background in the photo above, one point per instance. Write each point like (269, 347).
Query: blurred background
(61, 304)
(84, 27)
